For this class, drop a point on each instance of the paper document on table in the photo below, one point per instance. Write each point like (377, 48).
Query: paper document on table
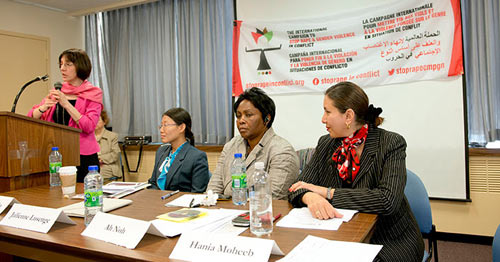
(186, 201)
(225, 225)
(115, 187)
(348, 214)
(171, 229)
(78, 209)
(302, 218)
(319, 249)
(121, 189)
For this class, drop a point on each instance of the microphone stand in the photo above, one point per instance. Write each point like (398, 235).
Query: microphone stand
(38, 78)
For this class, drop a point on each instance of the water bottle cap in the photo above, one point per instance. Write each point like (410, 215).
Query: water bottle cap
(238, 155)
(93, 168)
(55, 148)
(259, 165)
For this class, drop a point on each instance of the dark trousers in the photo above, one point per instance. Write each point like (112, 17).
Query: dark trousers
(85, 162)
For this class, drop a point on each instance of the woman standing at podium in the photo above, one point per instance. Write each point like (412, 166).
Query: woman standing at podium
(77, 104)
(362, 167)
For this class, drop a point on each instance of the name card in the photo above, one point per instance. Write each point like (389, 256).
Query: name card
(119, 230)
(196, 246)
(39, 219)
(6, 202)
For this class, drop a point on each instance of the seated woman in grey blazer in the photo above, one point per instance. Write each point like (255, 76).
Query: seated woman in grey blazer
(179, 165)
(257, 142)
(360, 166)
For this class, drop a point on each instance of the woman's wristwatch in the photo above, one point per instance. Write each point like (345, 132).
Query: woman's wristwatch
(41, 110)
(329, 193)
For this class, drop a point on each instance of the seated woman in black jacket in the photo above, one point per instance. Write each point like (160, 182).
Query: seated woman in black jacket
(179, 165)
(362, 167)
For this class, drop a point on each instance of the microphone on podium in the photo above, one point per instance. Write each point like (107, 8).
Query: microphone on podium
(38, 78)
(43, 78)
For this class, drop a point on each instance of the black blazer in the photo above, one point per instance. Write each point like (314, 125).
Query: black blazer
(188, 173)
(378, 188)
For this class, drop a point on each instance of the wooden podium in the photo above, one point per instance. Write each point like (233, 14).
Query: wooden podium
(25, 145)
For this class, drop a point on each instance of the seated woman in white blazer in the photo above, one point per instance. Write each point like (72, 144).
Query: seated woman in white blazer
(179, 165)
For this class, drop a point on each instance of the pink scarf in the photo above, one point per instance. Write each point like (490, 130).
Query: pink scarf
(86, 90)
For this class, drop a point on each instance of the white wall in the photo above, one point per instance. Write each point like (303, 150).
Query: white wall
(429, 114)
(63, 31)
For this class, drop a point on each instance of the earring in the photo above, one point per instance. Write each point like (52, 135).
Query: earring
(347, 126)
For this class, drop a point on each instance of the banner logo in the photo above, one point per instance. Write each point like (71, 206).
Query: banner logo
(264, 68)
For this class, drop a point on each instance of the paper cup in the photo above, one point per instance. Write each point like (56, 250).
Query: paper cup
(68, 179)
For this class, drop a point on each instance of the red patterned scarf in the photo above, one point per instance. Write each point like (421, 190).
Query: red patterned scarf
(347, 152)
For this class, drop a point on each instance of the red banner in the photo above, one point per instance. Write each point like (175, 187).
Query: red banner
(393, 43)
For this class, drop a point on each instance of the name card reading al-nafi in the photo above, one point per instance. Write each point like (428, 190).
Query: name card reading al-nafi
(200, 246)
(5, 202)
(39, 219)
(118, 230)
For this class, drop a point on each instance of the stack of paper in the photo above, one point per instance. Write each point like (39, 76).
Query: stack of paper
(211, 222)
(302, 218)
(121, 189)
(78, 209)
(187, 200)
(225, 225)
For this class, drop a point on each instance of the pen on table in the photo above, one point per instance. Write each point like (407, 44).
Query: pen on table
(277, 217)
(191, 204)
(170, 194)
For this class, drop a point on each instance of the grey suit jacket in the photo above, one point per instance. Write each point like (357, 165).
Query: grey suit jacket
(188, 172)
(378, 188)
(280, 160)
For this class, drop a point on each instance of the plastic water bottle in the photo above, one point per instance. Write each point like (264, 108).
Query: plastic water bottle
(239, 177)
(93, 194)
(55, 162)
(261, 199)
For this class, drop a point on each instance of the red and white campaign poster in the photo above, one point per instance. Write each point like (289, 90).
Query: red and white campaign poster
(391, 43)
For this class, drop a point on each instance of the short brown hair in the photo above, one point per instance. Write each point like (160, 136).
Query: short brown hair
(347, 95)
(81, 61)
(105, 118)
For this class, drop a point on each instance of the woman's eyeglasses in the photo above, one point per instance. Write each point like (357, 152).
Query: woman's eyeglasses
(165, 125)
